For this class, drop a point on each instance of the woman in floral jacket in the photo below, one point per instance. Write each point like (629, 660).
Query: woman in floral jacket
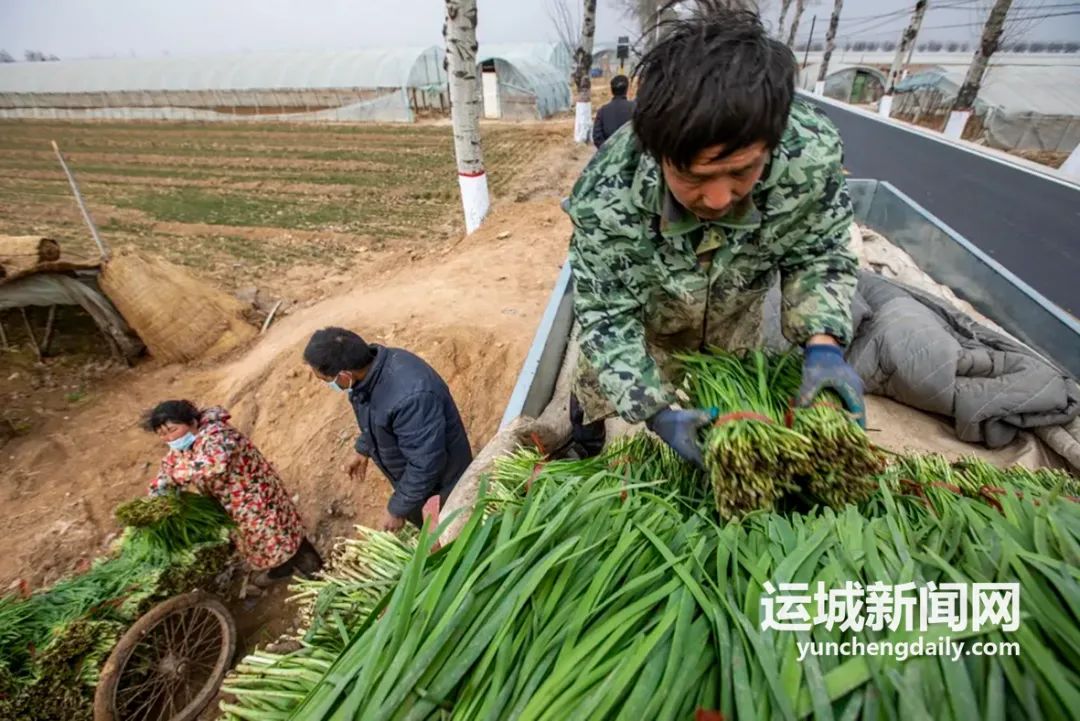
(208, 455)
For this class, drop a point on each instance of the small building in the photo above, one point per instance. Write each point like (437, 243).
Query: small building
(558, 55)
(517, 83)
(855, 84)
(1019, 107)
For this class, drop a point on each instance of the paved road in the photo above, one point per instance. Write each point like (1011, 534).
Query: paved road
(1029, 224)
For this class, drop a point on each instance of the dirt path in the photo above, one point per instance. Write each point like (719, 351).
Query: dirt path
(470, 310)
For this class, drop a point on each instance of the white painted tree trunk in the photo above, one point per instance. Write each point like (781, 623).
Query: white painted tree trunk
(460, 34)
(582, 121)
(582, 79)
(954, 128)
(1071, 166)
(884, 107)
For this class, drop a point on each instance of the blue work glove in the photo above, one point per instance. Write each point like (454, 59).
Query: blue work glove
(679, 429)
(824, 368)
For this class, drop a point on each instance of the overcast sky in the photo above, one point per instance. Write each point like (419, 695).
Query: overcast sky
(152, 28)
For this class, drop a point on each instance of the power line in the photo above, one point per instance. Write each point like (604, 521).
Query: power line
(949, 5)
(863, 33)
(888, 19)
(1026, 17)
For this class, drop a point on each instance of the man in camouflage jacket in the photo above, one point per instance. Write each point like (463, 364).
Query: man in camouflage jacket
(685, 218)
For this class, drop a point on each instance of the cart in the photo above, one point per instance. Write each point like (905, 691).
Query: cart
(169, 665)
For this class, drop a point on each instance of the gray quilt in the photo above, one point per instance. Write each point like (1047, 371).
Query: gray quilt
(917, 349)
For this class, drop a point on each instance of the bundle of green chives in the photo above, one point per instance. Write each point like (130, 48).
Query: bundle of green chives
(52, 642)
(752, 457)
(764, 450)
(174, 521)
(361, 571)
(331, 607)
(604, 596)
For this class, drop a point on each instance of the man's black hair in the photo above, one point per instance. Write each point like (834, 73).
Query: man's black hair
(166, 412)
(333, 350)
(714, 78)
(620, 84)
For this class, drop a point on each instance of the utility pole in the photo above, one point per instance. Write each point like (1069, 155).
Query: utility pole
(830, 45)
(906, 47)
(806, 54)
(988, 45)
(460, 34)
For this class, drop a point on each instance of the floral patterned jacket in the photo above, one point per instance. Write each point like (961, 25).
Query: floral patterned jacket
(223, 463)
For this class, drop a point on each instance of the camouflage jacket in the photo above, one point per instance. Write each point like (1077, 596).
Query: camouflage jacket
(651, 278)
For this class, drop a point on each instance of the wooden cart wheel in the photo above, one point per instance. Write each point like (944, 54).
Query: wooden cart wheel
(169, 664)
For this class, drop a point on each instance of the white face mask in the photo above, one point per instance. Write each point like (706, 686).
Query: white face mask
(183, 442)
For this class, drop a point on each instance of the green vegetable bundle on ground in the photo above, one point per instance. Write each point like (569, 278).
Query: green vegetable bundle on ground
(597, 593)
(762, 451)
(53, 642)
(361, 572)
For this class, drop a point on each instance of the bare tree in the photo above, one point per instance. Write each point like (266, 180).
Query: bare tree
(830, 44)
(460, 34)
(642, 12)
(6, 57)
(584, 47)
(800, 5)
(566, 22)
(581, 77)
(36, 56)
(988, 45)
(785, 5)
(903, 56)
(650, 16)
(1020, 21)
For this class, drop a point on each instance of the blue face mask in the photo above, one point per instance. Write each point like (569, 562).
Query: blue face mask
(335, 387)
(183, 442)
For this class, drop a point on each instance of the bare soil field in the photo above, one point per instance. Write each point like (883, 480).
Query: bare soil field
(297, 211)
(245, 204)
(377, 249)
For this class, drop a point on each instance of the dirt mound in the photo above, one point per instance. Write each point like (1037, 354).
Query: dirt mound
(469, 309)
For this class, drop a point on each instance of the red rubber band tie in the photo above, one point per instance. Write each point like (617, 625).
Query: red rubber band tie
(741, 416)
(537, 467)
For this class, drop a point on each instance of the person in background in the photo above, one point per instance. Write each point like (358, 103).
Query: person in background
(615, 113)
(409, 424)
(209, 456)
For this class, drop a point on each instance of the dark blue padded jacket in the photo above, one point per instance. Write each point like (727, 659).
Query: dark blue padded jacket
(411, 428)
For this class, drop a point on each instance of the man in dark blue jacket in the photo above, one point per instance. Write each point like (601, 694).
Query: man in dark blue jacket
(409, 424)
(615, 113)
